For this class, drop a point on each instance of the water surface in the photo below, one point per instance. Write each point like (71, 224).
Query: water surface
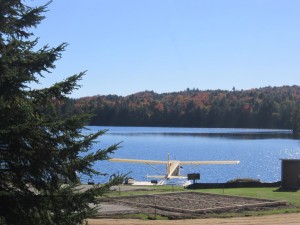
(259, 151)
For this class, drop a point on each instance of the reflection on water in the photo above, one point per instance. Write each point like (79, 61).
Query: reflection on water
(259, 151)
(261, 135)
(202, 132)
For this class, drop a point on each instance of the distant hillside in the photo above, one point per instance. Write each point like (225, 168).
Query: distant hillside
(268, 107)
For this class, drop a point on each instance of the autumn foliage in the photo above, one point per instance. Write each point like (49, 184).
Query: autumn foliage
(268, 107)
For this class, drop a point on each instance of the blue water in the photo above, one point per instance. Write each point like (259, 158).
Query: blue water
(259, 151)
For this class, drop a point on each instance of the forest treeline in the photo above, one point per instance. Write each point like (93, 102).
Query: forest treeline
(268, 107)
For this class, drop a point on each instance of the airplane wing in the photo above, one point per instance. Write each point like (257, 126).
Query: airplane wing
(137, 161)
(207, 162)
(156, 176)
(176, 177)
(166, 162)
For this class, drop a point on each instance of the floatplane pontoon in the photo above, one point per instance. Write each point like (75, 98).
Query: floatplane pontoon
(172, 168)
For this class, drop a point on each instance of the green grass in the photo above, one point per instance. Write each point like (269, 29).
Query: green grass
(292, 197)
(147, 191)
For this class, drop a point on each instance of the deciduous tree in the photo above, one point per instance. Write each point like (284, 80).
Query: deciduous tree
(296, 120)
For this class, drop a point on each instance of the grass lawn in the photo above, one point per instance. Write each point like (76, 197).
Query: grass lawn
(292, 197)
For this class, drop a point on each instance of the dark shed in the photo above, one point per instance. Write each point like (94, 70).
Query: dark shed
(290, 173)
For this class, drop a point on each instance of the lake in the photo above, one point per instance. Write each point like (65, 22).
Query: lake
(258, 150)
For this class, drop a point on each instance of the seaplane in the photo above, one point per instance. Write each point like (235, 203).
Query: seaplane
(172, 168)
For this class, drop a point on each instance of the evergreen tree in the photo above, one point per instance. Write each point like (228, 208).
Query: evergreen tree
(38, 146)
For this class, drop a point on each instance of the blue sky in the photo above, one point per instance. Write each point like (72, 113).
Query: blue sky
(128, 46)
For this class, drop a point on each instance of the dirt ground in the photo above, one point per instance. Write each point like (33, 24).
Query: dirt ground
(282, 219)
(198, 201)
(184, 205)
